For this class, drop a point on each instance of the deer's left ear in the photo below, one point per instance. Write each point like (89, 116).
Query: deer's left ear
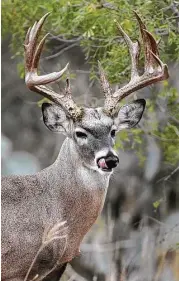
(130, 114)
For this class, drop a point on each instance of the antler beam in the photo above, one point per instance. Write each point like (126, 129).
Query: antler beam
(38, 83)
(155, 70)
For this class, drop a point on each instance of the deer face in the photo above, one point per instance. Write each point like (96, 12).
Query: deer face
(94, 134)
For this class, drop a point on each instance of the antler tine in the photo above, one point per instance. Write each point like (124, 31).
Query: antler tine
(149, 44)
(37, 83)
(104, 82)
(32, 55)
(134, 50)
(38, 51)
(32, 38)
(152, 74)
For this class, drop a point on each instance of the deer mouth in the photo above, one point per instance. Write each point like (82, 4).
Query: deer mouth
(103, 165)
(107, 164)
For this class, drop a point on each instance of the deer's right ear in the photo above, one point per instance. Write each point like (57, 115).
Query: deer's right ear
(54, 118)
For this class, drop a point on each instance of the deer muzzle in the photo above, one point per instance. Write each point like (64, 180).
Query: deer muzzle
(108, 163)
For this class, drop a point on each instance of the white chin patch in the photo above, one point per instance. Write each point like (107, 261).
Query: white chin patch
(99, 169)
(105, 172)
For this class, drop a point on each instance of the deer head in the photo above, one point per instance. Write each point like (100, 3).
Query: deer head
(93, 130)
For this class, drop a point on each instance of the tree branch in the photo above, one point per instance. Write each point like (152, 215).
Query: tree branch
(61, 51)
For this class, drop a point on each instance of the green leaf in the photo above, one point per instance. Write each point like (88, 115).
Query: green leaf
(156, 204)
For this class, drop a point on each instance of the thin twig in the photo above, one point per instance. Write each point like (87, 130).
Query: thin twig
(83, 71)
(58, 38)
(79, 38)
(53, 268)
(61, 52)
(49, 236)
(174, 119)
(107, 6)
(108, 247)
(166, 178)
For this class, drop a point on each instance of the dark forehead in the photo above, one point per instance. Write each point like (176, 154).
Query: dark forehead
(95, 119)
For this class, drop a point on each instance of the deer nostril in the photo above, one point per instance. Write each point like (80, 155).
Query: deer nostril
(112, 161)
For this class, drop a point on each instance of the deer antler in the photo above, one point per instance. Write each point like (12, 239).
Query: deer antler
(37, 83)
(155, 70)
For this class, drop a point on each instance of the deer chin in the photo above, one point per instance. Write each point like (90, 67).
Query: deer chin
(106, 170)
(102, 171)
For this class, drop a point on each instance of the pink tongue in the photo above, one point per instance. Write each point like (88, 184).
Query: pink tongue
(102, 163)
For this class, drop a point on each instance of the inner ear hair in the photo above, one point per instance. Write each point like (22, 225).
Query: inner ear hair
(130, 114)
(54, 117)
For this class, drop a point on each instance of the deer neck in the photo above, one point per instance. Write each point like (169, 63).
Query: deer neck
(78, 194)
(69, 171)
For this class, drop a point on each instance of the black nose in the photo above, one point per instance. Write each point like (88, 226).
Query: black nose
(112, 161)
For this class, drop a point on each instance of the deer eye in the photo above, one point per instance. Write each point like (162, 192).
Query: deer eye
(81, 135)
(113, 133)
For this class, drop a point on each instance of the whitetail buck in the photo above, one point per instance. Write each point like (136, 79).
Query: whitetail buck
(46, 215)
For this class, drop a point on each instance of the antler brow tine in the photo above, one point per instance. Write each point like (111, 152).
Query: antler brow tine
(37, 83)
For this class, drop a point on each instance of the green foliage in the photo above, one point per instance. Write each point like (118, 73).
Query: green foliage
(156, 204)
(95, 23)
(100, 40)
(168, 135)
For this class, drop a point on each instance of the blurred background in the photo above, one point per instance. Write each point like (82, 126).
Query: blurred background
(137, 235)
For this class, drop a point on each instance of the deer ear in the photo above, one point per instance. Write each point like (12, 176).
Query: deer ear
(54, 117)
(130, 114)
